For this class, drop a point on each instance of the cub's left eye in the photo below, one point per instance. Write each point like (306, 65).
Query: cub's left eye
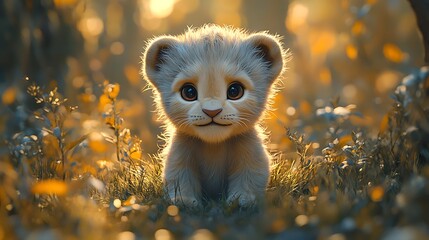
(235, 91)
(189, 92)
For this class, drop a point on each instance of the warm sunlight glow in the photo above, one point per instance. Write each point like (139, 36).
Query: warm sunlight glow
(161, 8)
(227, 12)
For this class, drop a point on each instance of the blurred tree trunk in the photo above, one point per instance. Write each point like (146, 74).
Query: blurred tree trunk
(270, 13)
(37, 39)
(421, 9)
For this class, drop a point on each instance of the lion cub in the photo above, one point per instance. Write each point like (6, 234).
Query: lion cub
(212, 85)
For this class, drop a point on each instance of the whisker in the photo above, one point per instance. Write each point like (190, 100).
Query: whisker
(241, 122)
(244, 119)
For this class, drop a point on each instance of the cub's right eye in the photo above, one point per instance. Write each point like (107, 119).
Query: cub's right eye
(189, 92)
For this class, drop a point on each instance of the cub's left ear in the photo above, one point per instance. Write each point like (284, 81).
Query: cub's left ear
(270, 50)
(156, 56)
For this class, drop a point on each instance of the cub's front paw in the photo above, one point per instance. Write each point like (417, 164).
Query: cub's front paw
(190, 202)
(244, 199)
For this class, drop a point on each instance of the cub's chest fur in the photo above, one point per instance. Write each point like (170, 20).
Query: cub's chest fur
(211, 86)
(213, 166)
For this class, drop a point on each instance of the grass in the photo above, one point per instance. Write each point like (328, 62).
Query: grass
(60, 181)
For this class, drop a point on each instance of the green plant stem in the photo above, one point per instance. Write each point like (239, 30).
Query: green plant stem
(116, 128)
(61, 143)
(63, 156)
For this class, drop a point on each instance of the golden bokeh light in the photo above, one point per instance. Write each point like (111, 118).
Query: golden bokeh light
(350, 92)
(377, 193)
(64, 3)
(127, 235)
(358, 28)
(117, 203)
(161, 8)
(296, 17)
(50, 186)
(9, 96)
(351, 51)
(117, 48)
(290, 111)
(163, 234)
(301, 220)
(387, 81)
(172, 210)
(96, 142)
(91, 26)
(203, 234)
(393, 53)
(322, 41)
(325, 76)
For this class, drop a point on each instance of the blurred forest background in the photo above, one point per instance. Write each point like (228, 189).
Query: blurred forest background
(344, 52)
(78, 133)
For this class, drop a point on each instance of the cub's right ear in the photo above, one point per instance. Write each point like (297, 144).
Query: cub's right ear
(155, 56)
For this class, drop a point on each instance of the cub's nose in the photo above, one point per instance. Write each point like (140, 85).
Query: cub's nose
(212, 113)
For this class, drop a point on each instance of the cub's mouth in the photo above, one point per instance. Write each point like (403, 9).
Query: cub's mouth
(213, 123)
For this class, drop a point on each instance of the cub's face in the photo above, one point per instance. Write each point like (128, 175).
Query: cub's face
(213, 83)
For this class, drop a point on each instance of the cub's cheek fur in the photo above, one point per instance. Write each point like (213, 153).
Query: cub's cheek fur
(229, 163)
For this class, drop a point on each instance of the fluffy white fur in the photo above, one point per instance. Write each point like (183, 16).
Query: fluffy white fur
(214, 161)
